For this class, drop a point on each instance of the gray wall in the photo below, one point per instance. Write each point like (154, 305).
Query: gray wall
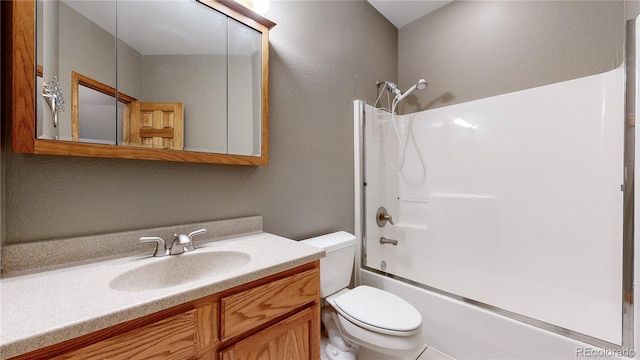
(323, 56)
(3, 111)
(469, 50)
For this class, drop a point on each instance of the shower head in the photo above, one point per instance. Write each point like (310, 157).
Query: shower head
(391, 86)
(398, 95)
(420, 85)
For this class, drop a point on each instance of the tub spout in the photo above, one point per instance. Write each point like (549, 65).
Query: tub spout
(384, 240)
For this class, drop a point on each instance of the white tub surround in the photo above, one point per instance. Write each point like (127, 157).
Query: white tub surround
(47, 307)
(513, 204)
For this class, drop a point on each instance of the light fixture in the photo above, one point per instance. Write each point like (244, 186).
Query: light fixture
(259, 6)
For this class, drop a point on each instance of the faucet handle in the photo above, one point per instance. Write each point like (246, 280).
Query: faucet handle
(161, 248)
(197, 232)
(382, 216)
(191, 235)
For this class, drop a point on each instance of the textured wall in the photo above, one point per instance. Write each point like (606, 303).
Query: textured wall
(469, 50)
(323, 56)
(3, 112)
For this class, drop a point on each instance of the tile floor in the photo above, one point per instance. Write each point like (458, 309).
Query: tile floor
(428, 354)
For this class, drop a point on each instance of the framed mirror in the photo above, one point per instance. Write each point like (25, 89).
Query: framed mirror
(189, 85)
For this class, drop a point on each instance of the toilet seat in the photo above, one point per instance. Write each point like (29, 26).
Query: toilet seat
(377, 310)
(397, 346)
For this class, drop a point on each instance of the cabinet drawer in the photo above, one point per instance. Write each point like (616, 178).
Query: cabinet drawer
(171, 338)
(288, 339)
(249, 309)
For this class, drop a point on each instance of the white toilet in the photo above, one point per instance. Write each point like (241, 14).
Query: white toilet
(364, 316)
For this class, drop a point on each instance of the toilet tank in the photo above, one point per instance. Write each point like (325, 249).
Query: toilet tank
(336, 267)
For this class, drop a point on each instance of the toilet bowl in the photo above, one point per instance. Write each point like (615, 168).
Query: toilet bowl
(363, 316)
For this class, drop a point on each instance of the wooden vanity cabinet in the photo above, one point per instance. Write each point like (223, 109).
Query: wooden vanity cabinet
(175, 337)
(295, 336)
(277, 317)
(288, 339)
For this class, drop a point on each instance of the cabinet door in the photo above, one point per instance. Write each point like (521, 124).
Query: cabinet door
(289, 339)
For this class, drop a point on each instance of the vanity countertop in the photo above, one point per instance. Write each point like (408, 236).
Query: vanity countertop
(45, 308)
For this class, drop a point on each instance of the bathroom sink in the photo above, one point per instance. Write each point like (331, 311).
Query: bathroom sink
(176, 270)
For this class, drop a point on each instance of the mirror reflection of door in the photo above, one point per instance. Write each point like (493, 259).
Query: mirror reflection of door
(96, 115)
(98, 112)
(155, 125)
(94, 118)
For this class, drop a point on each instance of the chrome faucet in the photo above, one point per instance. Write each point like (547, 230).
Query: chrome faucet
(180, 243)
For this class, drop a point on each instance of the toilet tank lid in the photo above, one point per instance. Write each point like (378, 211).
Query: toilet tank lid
(333, 241)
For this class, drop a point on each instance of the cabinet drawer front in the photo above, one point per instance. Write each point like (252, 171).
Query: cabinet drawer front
(247, 310)
(171, 338)
(289, 339)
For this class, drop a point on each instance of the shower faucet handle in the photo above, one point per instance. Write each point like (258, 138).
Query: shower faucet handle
(386, 217)
(382, 216)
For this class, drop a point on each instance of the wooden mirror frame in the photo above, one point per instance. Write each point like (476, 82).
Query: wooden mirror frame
(78, 80)
(19, 69)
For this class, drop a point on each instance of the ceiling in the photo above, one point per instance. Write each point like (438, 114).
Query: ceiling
(402, 12)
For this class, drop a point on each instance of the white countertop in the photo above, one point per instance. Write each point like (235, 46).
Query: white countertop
(45, 308)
